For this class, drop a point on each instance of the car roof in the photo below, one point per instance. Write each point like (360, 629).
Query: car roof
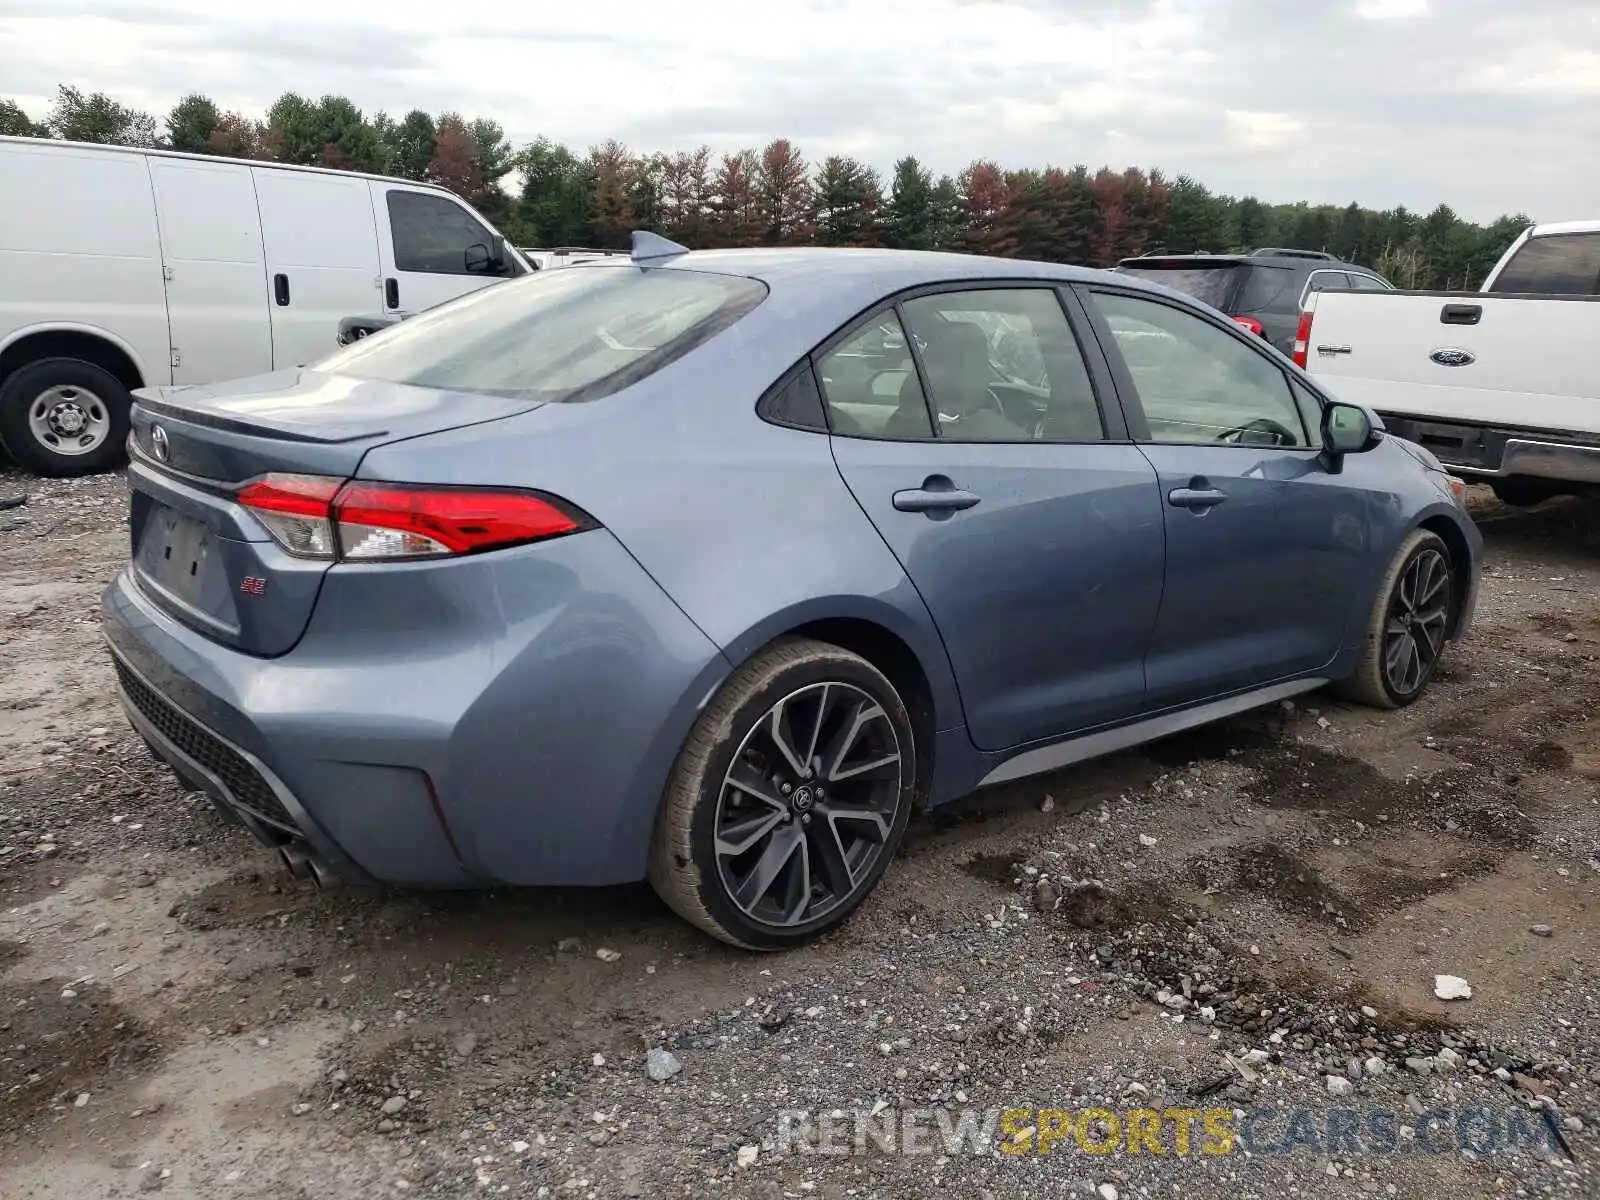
(1281, 262)
(862, 277)
(1555, 228)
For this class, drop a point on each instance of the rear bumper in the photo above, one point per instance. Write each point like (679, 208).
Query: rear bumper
(1485, 452)
(503, 720)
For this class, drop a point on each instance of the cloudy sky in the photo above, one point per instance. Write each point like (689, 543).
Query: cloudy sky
(1490, 105)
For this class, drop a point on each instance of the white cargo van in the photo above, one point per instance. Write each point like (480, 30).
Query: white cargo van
(123, 268)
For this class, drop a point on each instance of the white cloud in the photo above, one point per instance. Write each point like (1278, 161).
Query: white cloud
(1334, 102)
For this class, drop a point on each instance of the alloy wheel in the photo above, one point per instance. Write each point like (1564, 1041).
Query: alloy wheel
(1414, 629)
(808, 804)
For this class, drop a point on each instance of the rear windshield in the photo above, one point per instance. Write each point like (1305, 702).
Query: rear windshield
(576, 334)
(1562, 264)
(1210, 285)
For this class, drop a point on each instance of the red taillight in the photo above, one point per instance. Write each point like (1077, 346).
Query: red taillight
(296, 511)
(379, 520)
(1302, 339)
(316, 517)
(1250, 323)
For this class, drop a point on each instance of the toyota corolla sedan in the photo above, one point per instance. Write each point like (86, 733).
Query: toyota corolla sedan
(709, 568)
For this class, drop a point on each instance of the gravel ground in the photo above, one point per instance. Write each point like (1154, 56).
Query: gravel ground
(1243, 924)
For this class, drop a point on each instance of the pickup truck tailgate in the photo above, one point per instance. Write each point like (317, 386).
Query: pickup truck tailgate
(1521, 362)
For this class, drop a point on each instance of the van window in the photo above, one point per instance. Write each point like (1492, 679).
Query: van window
(1562, 264)
(554, 335)
(431, 234)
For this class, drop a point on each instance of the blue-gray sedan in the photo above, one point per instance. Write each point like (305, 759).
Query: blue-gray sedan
(711, 567)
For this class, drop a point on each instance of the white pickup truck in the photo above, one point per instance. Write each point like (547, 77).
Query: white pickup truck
(1502, 384)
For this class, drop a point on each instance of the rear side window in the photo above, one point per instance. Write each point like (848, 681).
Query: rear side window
(1213, 285)
(1267, 289)
(1564, 264)
(555, 335)
(1368, 283)
(431, 234)
(1321, 281)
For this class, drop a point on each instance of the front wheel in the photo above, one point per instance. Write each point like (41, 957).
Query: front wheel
(789, 797)
(1407, 627)
(64, 416)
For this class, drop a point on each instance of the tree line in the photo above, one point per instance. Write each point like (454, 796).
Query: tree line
(775, 197)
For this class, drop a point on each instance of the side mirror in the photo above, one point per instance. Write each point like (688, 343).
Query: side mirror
(478, 259)
(1347, 429)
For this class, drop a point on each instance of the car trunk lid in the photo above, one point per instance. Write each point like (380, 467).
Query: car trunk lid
(202, 557)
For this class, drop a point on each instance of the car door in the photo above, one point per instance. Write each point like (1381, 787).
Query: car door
(988, 451)
(425, 237)
(1262, 539)
(217, 305)
(322, 258)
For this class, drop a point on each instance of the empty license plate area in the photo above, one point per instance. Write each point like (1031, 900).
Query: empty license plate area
(181, 558)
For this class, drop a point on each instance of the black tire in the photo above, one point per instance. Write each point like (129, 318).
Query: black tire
(1377, 680)
(699, 882)
(65, 390)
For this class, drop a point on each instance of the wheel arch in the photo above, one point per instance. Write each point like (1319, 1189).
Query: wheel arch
(104, 349)
(907, 650)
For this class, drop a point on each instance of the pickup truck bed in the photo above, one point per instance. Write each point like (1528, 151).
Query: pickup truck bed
(1505, 387)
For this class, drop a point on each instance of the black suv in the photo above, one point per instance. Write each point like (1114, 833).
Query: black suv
(1264, 290)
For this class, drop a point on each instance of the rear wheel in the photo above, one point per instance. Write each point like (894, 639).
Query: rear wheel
(789, 798)
(1406, 629)
(64, 416)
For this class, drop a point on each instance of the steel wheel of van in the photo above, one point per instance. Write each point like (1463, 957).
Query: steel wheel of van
(64, 416)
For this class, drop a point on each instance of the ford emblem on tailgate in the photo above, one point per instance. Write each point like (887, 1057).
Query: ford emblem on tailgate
(158, 443)
(1454, 358)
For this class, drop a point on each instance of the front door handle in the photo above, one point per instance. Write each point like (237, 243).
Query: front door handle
(937, 497)
(1197, 499)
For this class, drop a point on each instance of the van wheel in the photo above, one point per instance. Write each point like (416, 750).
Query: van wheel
(64, 416)
(789, 798)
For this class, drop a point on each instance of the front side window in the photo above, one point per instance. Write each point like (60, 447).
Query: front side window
(1003, 365)
(1198, 384)
(870, 384)
(1564, 264)
(554, 335)
(432, 234)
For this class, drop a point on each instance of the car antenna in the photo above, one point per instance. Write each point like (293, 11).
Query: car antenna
(651, 247)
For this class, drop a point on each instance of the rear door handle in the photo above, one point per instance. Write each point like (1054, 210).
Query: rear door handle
(280, 290)
(391, 292)
(1461, 314)
(937, 497)
(1197, 499)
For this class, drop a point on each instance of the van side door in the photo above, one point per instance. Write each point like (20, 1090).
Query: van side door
(217, 306)
(322, 258)
(434, 248)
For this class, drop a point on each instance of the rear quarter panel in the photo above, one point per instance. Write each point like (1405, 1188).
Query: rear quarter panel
(747, 526)
(1532, 357)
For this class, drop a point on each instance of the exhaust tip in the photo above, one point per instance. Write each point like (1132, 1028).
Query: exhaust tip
(303, 864)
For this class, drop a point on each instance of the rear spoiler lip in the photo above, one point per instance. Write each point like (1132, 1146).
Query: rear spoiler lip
(157, 400)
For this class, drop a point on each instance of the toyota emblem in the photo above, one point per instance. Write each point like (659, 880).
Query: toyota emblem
(158, 443)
